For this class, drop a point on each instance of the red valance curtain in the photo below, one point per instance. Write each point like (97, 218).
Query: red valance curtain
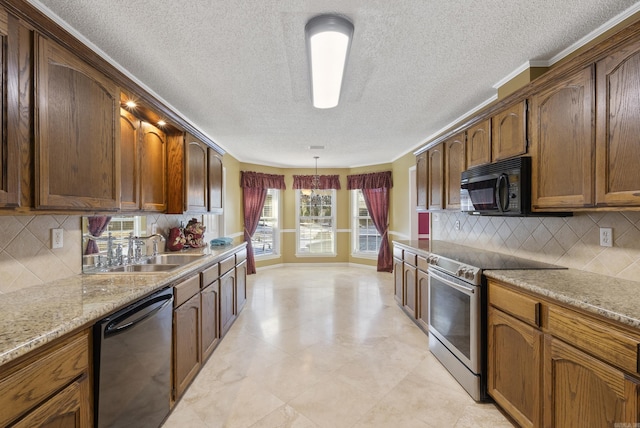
(325, 182)
(375, 189)
(254, 193)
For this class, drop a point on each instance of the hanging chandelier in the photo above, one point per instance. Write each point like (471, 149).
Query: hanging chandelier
(314, 197)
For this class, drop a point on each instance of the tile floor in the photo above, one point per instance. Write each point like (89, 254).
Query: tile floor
(326, 347)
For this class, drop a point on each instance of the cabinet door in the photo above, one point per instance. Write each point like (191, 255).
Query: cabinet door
(410, 289)
(153, 177)
(186, 344)
(130, 161)
(197, 188)
(563, 143)
(479, 144)
(227, 301)
(455, 162)
(209, 319)
(514, 367)
(241, 286)
(583, 391)
(618, 128)
(398, 276)
(422, 313)
(421, 181)
(77, 133)
(10, 164)
(68, 408)
(215, 182)
(435, 172)
(509, 132)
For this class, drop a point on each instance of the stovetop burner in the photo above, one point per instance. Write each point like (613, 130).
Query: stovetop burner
(468, 263)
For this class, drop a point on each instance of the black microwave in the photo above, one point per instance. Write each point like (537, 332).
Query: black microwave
(501, 188)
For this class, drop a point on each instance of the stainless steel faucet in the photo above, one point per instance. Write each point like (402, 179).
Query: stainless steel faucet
(155, 241)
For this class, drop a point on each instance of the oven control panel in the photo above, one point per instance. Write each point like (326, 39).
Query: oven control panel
(468, 273)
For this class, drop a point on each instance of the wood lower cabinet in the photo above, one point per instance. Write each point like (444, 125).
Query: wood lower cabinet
(422, 314)
(515, 358)
(210, 330)
(52, 388)
(583, 391)
(509, 132)
(227, 301)
(77, 131)
(241, 285)
(187, 354)
(563, 143)
(410, 300)
(554, 366)
(398, 276)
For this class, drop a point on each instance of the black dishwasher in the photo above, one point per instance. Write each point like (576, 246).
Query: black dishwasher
(132, 364)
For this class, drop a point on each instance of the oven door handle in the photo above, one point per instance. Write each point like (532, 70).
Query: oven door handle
(469, 291)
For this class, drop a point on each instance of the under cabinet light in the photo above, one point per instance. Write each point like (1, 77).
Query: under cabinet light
(328, 41)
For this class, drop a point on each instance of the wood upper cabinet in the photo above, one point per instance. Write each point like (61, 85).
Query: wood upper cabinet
(422, 182)
(153, 168)
(455, 163)
(10, 111)
(563, 143)
(618, 127)
(435, 172)
(130, 161)
(479, 144)
(196, 159)
(77, 133)
(509, 132)
(215, 171)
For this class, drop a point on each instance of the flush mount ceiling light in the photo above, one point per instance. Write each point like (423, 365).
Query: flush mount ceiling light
(328, 41)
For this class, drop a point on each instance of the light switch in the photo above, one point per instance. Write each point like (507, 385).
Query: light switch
(56, 238)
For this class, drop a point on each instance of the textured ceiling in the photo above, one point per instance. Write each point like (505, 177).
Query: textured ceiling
(237, 70)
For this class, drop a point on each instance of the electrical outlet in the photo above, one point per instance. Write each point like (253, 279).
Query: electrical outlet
(606, 237)
(56, 238)
(456, 226)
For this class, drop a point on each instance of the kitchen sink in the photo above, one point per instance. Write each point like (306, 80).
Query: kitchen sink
(148, 268)
(173, 259)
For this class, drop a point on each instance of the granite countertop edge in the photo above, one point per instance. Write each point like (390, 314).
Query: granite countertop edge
(613, 298)
(37, 315)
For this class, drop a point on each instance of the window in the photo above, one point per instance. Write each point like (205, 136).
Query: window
(265, 239)
(120, 228)
(316, 220)
(366, 239)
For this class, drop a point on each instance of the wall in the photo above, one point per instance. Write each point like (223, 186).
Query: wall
(570, 241)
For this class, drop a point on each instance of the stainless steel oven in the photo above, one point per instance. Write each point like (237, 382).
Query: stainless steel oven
(456, 329)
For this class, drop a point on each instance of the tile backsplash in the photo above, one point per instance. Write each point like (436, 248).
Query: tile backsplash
(26, 257)
(573, 242)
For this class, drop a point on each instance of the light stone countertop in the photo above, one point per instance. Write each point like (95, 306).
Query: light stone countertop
(613, 298)
(36, 315)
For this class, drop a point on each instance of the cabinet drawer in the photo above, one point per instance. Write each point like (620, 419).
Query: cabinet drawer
(185, 290)
(595, 337)
(227, 264)
(523, 307)
(210, 274)
(410, 258)
(32, 384)
(241, 256)
(422, 264)
(397, 253)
